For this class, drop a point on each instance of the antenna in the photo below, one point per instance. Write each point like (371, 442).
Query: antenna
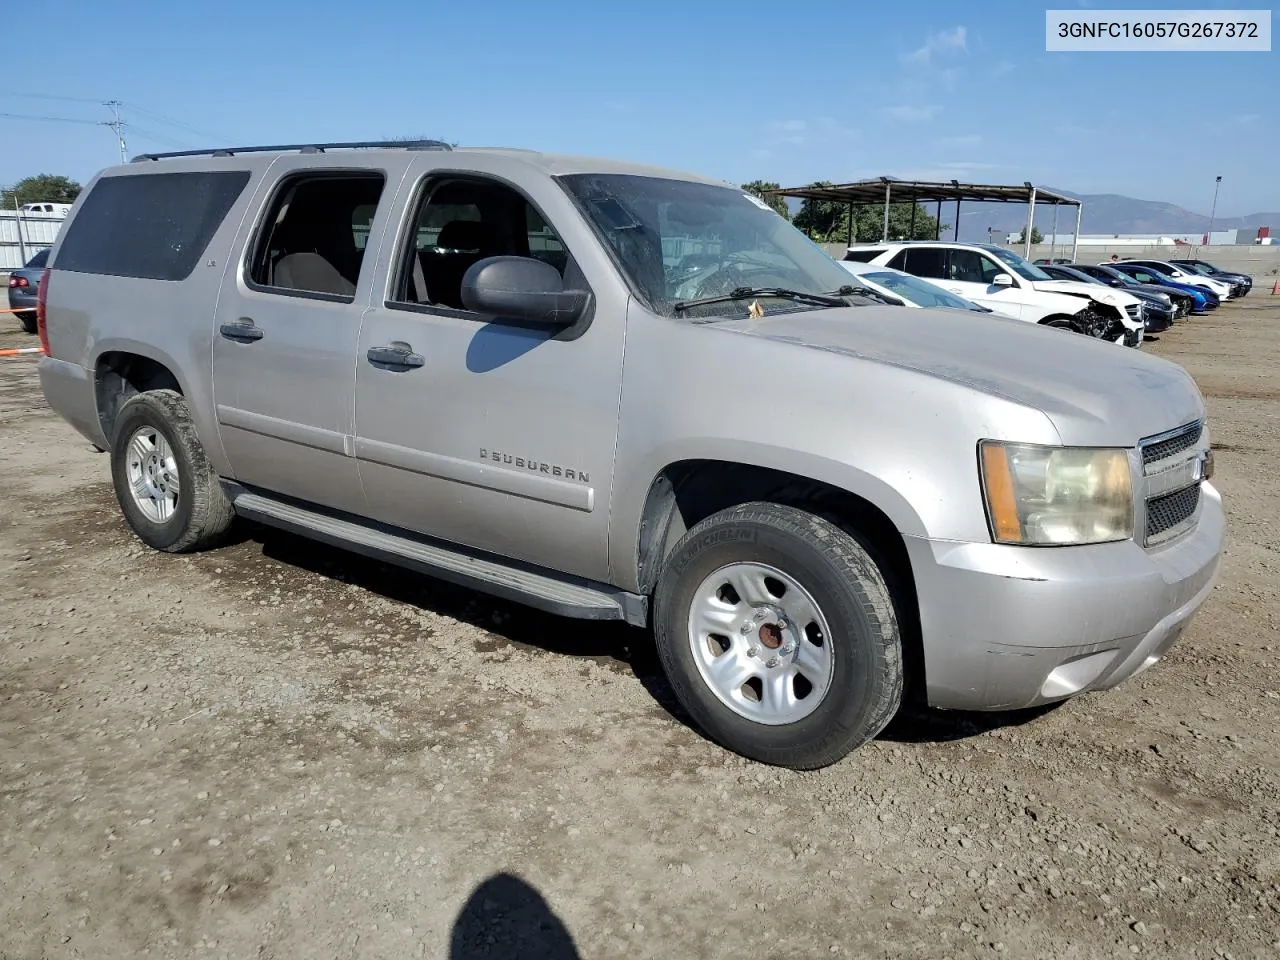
(116, 126)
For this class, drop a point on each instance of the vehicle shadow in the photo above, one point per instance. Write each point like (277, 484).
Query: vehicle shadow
(610, 644)
(505, 917)
(915, 723)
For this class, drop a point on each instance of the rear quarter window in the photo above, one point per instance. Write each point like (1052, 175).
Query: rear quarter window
(153, 226)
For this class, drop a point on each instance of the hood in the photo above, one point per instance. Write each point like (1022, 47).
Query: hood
(1094, 392)
(1098, 291)
(1151, 290)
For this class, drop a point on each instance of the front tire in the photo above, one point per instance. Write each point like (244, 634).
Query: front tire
(778, 635)
(167, 491)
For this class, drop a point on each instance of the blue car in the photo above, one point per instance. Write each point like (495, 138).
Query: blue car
(1204, 298)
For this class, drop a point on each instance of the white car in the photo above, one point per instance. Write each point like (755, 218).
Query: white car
(909, 290)
(1187, 276)
(999, 279)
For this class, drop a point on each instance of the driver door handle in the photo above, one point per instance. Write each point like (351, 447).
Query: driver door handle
(243, 330)
(395, 355)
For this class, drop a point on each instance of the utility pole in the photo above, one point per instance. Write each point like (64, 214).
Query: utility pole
(116, 126)
(1217, 182)
(17, 225)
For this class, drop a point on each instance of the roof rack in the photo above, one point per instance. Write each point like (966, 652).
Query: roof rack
(301, 148)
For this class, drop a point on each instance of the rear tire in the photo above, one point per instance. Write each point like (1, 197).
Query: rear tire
(167, 491)
(28, 321)
(803, 584)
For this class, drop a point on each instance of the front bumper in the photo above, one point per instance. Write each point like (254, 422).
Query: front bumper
(1006, 627)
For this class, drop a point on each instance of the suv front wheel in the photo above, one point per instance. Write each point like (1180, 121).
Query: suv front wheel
(166, 489)
(778, 634)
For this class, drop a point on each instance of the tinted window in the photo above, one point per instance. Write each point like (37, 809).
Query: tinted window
(862, 256)
(151, 225)
(40, 259)
(315, 233)
(923, 262)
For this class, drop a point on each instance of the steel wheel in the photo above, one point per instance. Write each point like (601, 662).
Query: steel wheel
(760, 643)
(153, 474)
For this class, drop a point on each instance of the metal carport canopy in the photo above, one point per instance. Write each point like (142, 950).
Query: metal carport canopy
(889, 190)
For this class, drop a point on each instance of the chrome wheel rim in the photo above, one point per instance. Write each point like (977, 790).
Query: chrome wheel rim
(153, 474)
(761, 643)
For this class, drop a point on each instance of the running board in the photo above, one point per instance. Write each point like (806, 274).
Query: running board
(576, 597)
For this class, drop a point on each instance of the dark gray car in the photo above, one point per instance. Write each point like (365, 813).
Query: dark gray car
(1183, 303)
(23, 284)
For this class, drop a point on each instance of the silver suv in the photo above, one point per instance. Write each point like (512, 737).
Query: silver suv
(616, 392)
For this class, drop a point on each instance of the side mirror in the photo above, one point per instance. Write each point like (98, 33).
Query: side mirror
(523, 290)
(1002, 280)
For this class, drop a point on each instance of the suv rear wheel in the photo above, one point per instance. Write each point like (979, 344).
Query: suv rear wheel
(166, 489)
(778, 635)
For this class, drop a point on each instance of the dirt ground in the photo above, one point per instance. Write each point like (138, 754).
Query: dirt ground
(280, 750)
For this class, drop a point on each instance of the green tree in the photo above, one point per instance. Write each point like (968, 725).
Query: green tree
(826, 221)
(757, 188)
(42, 188)
(1036, 235)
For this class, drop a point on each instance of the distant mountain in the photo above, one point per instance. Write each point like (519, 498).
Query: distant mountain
(1103, 213)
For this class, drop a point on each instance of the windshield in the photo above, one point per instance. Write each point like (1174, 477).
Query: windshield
(920, 292)
(677, 240)
(1203, 269)
(1123, 277)
(40, 259)
(1023, 268)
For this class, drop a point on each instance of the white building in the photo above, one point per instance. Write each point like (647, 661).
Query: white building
(23, 235)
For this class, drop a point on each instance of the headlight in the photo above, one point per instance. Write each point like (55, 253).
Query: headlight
(1056, 495)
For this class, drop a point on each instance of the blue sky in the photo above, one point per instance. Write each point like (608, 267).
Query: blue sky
(791, 92)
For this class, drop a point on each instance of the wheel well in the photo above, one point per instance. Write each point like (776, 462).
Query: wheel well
(119, 376)
(689, 491)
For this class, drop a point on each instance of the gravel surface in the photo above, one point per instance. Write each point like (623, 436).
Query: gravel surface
(280, 750)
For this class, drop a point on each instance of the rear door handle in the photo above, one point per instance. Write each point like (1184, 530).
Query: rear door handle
(397, 354)
(242, 331)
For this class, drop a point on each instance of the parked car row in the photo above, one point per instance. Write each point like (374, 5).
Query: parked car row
(1145, 296)
(1001, 281)
(1199, 273)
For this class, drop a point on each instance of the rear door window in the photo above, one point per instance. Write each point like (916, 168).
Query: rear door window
(922, 261)
(154, 226)
(313, 240)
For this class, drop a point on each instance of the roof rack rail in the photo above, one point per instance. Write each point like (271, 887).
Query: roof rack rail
(301, 148)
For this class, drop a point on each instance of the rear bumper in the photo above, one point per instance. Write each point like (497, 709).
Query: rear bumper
(69, 389)
(1008, 627)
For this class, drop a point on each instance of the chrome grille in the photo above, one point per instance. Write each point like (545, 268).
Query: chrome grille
(1167, 516)
(1170, 444)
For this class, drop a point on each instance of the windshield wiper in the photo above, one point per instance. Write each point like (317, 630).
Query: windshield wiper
(746, 293)
(851, 291)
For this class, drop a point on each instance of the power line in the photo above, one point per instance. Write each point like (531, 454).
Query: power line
(175, 123)
(115, 106)
(158, 138)
(47, 96)
(32, 116)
